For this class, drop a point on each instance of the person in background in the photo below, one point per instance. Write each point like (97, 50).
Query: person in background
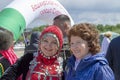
(64, 23)
(33, 46)
(86, 63)
(27, 41)
(113, 56)
(7, 54)
(43, 65)
(105, 42)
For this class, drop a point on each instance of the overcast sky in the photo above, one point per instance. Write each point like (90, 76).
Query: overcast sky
(94, 11)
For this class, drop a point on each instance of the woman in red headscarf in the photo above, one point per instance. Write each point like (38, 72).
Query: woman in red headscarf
(7, 54)
(42, 65)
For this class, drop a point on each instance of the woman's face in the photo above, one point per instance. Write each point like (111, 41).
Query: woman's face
(79, 47)
(49, 46)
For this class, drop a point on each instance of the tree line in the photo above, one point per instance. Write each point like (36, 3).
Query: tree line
(102, 28)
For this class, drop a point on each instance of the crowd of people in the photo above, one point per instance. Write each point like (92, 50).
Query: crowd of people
(44, 60)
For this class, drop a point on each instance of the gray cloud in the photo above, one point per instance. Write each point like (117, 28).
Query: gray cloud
(4, 3)
(94, 11)
(91, 4)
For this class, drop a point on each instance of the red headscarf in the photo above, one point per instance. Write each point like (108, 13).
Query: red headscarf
(54, 30)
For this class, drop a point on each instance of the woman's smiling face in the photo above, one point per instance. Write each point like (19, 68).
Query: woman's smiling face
(79, 47)
(49, 46)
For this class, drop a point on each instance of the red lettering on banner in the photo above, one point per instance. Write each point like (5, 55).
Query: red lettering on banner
(51, 10)
(42, 4)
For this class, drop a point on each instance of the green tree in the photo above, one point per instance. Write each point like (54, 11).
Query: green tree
(40, 28)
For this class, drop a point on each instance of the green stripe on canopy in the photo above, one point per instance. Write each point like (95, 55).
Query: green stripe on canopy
(13, 21)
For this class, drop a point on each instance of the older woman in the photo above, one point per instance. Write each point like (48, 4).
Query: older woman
(86, 63)
(41, 65)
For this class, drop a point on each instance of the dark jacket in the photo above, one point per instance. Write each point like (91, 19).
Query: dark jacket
(113, 56)
(20, 67)
(4, 64)
(91, 68)
(33, 46)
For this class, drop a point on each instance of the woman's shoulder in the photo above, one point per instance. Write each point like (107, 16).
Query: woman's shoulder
(104, 72)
